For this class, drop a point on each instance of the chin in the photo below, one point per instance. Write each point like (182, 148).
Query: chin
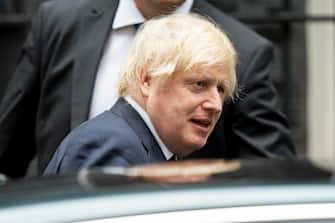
(197, 144)
(193, 143)
(189, 148)
(200, 141)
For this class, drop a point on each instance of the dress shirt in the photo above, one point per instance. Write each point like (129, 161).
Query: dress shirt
(117, 47)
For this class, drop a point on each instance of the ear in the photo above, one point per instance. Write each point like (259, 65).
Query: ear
(145, 83)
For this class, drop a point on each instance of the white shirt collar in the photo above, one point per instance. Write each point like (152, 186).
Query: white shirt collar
(127, 13)
(144, 115)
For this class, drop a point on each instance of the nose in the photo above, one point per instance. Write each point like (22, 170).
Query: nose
(213, 102)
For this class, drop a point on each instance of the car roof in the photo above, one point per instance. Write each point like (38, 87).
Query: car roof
(116, 191)
(222, 173)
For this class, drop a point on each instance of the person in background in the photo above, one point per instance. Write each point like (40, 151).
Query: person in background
(69, 68)
(3, 6)
(172, 91)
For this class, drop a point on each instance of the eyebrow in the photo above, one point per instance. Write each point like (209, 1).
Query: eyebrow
(206, 77)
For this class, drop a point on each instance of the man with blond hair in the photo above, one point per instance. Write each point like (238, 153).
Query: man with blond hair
(179, 72)
(69, 68)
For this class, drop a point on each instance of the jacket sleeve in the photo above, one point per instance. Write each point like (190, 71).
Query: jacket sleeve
(78, 151)
(258, 126)
(18, 108)
(98, 142)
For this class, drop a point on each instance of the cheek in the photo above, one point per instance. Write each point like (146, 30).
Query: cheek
(182, 110)
(175, 106)
(187, 102)
(159, 108)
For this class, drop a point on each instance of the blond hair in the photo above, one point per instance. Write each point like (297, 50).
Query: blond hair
(178, 43)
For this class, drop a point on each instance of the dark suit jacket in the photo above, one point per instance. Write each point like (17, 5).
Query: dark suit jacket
(118, 137)
(50, 92)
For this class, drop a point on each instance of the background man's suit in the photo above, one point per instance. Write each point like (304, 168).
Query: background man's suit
(118, 137)
(50, 92)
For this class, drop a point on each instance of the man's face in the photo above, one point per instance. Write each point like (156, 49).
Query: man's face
(185, 109)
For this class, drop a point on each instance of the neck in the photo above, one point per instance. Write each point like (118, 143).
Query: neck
(150, 9)
(140, 100)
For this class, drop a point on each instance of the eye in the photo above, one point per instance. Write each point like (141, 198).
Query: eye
(199, 84)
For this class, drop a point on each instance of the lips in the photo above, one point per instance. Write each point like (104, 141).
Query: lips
(202, 124)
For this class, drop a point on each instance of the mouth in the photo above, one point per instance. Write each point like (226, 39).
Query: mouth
(203, 124)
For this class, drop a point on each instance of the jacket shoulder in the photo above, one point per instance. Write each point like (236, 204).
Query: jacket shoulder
(240, 34)
(60, 8)
(104, 127)
(61, 13)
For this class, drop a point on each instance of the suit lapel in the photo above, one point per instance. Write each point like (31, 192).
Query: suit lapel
(93, 33)
(130, 115)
